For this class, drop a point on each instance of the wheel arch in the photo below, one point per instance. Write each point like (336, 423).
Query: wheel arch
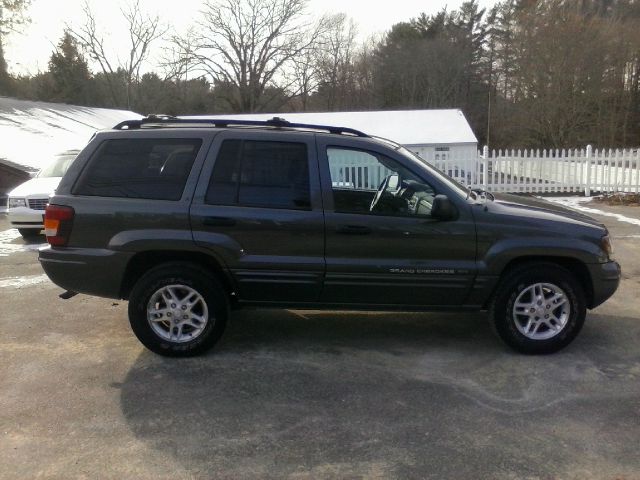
(574, 266)
(143, 261)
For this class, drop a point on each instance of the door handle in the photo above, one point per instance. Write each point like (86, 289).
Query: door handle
(219, 221)
(353, 229)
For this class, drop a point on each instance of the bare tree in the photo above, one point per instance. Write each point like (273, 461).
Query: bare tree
(11, 17)
(306, 73)
(250, 45)
(143, 31)
(178, 57)
(336, 59)
(179, 64)
(364, 95)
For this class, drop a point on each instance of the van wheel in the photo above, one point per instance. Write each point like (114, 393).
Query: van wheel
(538, 308)
(178, 310)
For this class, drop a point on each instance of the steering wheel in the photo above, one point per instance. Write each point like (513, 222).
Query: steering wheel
(378, 195)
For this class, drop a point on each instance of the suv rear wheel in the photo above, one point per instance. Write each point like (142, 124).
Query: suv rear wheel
(538, 308)
(178, 310)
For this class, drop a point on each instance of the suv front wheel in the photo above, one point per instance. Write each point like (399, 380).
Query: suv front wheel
(538, 308)
(178, 309)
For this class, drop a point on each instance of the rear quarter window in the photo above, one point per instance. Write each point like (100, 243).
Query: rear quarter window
(155, 169)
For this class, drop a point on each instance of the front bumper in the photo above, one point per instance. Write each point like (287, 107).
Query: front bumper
(605, 278)
(25, 217)
(96, 272)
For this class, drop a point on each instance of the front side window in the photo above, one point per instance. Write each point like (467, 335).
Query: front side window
(369, 183)
(260, 174)
(155, 169)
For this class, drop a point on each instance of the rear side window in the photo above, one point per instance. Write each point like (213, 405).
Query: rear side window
(260, 174)
(154, 169)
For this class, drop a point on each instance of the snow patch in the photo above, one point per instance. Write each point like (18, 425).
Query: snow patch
(27, 281)
(7, 247)
(577, 204)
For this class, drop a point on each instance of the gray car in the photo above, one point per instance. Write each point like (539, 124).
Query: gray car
(189, 219)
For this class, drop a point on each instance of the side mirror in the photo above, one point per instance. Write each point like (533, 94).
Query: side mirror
(443, 208)
(393, 183)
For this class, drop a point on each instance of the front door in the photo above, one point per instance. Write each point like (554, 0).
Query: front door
(382, 245)
(258, 209)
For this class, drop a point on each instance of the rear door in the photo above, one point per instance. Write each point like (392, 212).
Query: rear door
(395, 254)
(258, 208)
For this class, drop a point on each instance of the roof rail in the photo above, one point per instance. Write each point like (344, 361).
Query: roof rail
(277, 122)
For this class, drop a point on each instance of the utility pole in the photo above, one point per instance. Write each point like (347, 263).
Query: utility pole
(492, 48)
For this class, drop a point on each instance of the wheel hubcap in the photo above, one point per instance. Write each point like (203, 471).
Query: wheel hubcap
(541, 311)
(177, 313)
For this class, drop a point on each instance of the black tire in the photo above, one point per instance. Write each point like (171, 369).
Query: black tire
(29, 233)
(189, 275)
(515, 282)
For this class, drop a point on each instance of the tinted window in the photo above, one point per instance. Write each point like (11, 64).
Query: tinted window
(260, 174)
(223, 186)
(139, 168)
(369, 183)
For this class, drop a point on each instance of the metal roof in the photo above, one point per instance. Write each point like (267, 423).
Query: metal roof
(407, 127)
(32, 133)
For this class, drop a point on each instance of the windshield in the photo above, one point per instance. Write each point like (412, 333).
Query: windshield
(58, 167)
(443, 177)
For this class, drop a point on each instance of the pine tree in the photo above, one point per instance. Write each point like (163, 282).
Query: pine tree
(69, 72)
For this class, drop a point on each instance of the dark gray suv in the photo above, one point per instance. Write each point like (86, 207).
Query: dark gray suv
(190, 218)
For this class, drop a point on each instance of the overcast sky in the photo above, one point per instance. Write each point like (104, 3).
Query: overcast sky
(29, 51)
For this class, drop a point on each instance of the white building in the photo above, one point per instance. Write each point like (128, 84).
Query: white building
(34, 133)
(433, 134)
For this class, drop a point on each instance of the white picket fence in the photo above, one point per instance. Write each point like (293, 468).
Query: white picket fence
(356, 169)
(535, 171)
(549, 171)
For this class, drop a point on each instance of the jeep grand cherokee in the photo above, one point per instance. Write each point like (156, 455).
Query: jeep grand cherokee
(187, 218)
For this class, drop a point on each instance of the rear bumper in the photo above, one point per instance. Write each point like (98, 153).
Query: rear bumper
(92, 271)
(605, 278)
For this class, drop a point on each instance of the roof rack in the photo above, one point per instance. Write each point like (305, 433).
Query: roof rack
(276, 122)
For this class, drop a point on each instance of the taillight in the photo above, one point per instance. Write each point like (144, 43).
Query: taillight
(57, 224)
